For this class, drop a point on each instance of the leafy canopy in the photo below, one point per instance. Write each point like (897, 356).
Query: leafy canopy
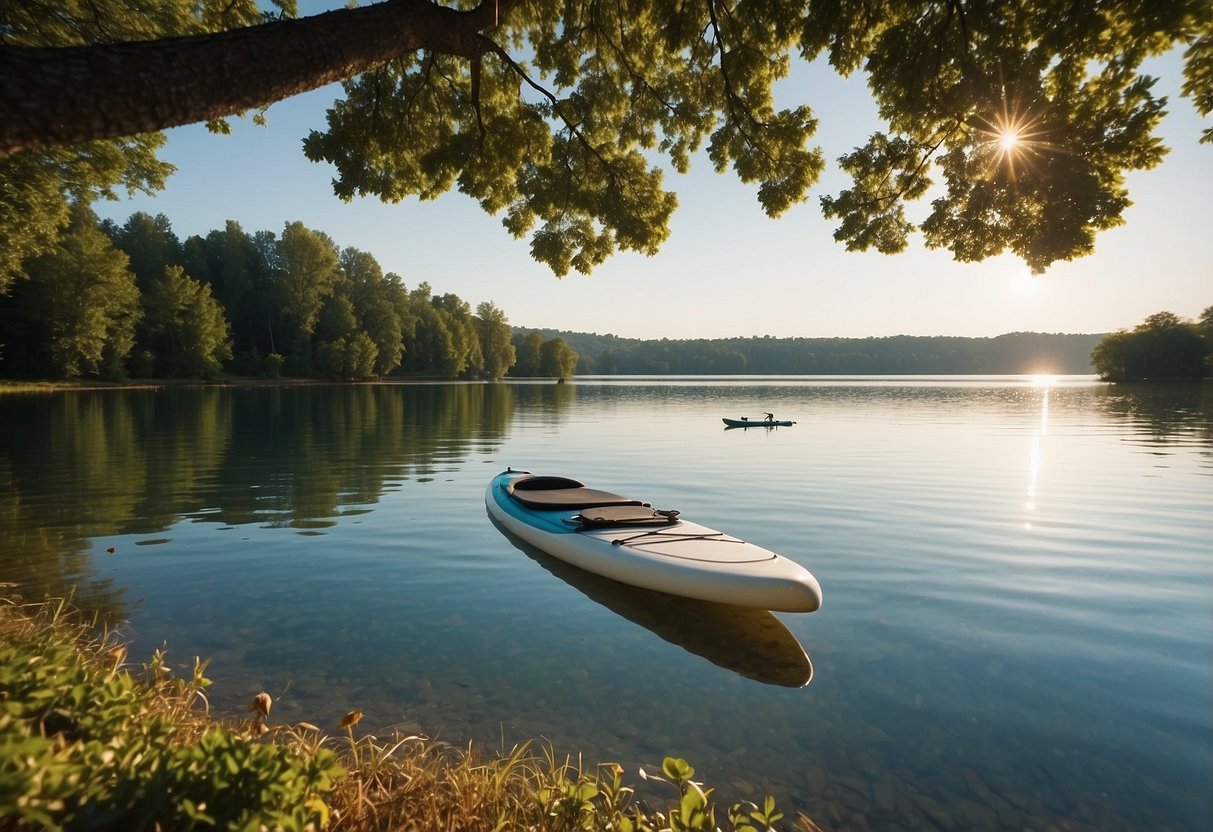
(559, 134)
(1163, 346)
(1020, 119)
(37, 187)
(78, 312)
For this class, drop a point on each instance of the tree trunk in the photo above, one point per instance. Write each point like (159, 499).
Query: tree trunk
(59, 96)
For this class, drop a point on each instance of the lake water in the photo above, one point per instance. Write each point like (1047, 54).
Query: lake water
(1018, 577)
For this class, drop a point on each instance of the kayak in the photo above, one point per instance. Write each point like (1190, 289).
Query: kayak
(757, 423)
(631, 542)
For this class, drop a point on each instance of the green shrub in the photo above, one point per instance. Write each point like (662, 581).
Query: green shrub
(272, 367)
(86, 746)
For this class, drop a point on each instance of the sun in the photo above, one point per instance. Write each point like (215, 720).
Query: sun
(1013, 142)
(1024, 283)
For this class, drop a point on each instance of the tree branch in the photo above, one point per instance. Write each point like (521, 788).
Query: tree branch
(60, 96)
(737, 108)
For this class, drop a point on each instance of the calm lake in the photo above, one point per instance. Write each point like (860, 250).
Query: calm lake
(1018, 575)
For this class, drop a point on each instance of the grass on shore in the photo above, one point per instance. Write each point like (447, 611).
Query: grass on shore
(9, 386)
(82, 385)
(88, 741)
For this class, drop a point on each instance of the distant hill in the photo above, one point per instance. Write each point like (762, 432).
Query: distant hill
(1012, 353)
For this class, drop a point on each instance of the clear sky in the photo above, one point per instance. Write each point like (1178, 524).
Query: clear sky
(726, 270)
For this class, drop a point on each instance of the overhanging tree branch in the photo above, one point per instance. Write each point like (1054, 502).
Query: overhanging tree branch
(58, 96)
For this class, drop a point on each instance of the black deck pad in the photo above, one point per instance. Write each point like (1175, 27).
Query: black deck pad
(560, 493)
(604, 516)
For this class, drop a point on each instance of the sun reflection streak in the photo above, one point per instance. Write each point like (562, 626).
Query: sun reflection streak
(1036, 452)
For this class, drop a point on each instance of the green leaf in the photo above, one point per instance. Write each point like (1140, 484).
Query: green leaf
(677, 769)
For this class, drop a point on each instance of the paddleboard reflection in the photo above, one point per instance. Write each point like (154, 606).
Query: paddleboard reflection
(752, 643)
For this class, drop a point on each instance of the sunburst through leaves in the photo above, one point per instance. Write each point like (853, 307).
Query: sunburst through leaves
(1013, 144)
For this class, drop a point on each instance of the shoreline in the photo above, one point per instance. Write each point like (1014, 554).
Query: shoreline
(69, 685)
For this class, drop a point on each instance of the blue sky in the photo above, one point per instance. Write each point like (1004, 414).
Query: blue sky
(726, 270)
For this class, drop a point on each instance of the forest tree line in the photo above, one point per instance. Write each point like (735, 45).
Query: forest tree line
(1013, 353)
(119, 301)
(1164, 346)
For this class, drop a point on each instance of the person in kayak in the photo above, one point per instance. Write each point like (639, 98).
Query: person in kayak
(770, 417)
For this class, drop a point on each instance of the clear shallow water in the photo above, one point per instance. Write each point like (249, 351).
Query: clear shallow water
(1018, 577)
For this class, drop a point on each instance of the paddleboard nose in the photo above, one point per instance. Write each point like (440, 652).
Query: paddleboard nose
(807, 594)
